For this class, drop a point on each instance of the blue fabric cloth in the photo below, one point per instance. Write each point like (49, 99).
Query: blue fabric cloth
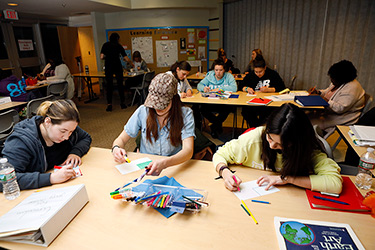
(162, 146)
(166, 181)
(227, 83)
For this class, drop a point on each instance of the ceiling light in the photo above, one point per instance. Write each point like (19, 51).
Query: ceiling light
(13, 4)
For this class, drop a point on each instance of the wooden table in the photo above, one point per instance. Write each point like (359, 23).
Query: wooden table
(200, 76)
(105, 223)
(343, 131)
(37, 86)
(240, 101)
(99, 75)
(11, 105)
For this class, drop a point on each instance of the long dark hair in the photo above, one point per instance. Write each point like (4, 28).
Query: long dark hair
(298, 141)
(182, 65)
(176, 122)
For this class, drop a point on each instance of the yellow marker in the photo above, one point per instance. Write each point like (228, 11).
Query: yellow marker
(252, 216)
(126, 159)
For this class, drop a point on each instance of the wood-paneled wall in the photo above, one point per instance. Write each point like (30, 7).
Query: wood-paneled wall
(303, 38)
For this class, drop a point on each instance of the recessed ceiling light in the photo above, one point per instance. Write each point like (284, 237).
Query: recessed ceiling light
(13, 4)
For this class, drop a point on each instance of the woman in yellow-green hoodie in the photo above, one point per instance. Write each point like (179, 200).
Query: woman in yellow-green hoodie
(286, 145)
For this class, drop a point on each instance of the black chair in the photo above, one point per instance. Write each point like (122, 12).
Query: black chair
(292, 82)
(33, 105)
(58, 89)
(7, 121)
(147, 77)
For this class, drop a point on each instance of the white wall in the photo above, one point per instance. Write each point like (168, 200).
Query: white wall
(157, 18)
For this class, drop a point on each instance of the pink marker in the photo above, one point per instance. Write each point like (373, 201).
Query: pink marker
(235, 180)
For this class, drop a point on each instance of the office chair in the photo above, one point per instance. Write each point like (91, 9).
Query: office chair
(58, 89)
(368, 103)
(292, 82)
(147, 77)
(7, 121)
(325, 145)
(33, 105)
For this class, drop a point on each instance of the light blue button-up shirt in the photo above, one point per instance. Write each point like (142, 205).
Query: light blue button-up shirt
(162, 146)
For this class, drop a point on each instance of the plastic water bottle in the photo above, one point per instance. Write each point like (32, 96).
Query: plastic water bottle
(366, 165)
(8, 178)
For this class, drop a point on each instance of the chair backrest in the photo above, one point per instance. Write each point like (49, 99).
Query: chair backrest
(323, 142)
(368, 103)
(58, 89)
(7, 121)
(33, 105)
(292, 82)
(147, 78)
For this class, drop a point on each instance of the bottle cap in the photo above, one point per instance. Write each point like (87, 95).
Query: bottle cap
(3, 160)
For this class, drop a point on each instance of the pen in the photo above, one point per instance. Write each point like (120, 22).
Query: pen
(261, 98)
(127, 184)
(191, 200)
(235, 180)
(142, 175)
(331, 200)
(126, 158)
(248, 210)
(245, 209)
(265, 202)
(312, 90)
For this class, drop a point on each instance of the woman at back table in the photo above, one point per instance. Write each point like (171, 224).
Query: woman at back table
(345, 96)
(62, 72)
(180, 70)
(167, 127)
(261, 79)
(51, 138)
(288, 146)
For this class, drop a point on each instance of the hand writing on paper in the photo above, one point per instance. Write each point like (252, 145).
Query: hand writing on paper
(206, 89)
(62, 175)
(189, 93)
(73, 159)
(229, 182)
(119, 154)
(272, 180)
(155, 167)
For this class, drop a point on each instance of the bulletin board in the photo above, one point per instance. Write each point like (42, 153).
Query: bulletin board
(160, 47)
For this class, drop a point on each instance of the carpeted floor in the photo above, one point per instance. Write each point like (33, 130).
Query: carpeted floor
(104, 126)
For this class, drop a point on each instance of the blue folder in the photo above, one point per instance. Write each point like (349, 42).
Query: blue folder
(311, 100)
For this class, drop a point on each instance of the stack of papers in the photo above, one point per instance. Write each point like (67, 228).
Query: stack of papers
(362, 135)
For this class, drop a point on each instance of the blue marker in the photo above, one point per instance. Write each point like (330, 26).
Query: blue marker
(265, 202)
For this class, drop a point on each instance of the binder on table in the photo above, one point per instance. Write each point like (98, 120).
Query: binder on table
(43, 215)
(349, 194)
(311, 100)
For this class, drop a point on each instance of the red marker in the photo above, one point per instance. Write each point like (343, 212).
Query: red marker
(235, 180)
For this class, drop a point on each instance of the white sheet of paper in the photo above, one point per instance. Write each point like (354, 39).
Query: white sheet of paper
(127, 168)
(250, 95)
(251, 190)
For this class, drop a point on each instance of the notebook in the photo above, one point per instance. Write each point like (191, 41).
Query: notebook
(311, 100)
(349, 194)
(259, 101)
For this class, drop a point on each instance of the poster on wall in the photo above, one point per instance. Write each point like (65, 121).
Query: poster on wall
(201, 52)
(25, 45)
(191, 35)
(144, 46)
(166, 53)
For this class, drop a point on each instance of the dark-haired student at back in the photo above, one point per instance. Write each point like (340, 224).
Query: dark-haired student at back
(286, 145)
(261, 79)
(345, 96)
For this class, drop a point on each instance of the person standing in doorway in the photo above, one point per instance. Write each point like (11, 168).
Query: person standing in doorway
(111, 52)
